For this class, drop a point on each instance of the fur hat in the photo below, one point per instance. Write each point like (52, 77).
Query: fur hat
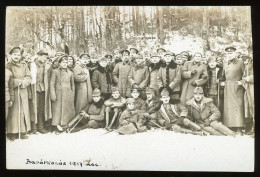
(198, 90)
(96, 92)
(165, 92)
(149, 90)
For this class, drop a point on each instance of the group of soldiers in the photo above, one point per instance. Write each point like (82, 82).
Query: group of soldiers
(129, 91)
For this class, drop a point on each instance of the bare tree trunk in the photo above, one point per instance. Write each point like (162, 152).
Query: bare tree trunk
(161, 32)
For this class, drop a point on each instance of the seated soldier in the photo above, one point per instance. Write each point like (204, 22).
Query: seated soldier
(131, 120)
(205, 114)
(90, 117)
(139, 103)
(174, 116)
(115, 104)
(152, 105)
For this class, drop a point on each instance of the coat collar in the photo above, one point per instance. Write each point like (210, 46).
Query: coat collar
(204, 101)
(234, 61)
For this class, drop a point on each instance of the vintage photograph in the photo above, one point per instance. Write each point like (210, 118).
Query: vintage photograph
(143, 88)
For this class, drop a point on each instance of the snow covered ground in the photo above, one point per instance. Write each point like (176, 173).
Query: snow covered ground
(152, 150)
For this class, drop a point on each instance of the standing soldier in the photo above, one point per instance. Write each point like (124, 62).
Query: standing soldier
(62, 94)
(20, 108)
(102, 79)
(39, 88)
(169, 76)
(154, 67)
(83, 88)
(191, 73)
(139, 76)
(120, 74)
(248, 84)
(233, 71)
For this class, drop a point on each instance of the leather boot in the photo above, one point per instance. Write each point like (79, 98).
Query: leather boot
(49, 126)
(194, 126)
(34, 128)
(41, 128)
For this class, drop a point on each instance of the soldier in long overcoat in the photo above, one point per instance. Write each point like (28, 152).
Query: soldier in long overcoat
(22, 79)
(193, 74)
(169, 76)
(233, 70)
(62, 93)
(83, 86)
(248, 84)
(139, 75)
(9, 91)
(120, 75)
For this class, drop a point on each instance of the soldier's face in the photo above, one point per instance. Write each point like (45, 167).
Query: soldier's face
(184, 58)
(167, 58)
(103, 63)
(165, 99)
(197, 58)
(93, 60)
(135, 94)
(230, 55)
(42, 58)
(149, 96)
(77, 62)
(16, 56)
(178, 60)
(198, 96)
(155, 59)
(130, 106)
(116, 94)
(64, 64)
(70, 61)
(96, 98)
(139, 60)
(213, 64)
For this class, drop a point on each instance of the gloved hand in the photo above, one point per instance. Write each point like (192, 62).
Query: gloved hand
(193, 72)
(194, 84)
(207, 122)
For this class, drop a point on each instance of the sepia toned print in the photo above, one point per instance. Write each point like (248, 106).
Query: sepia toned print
(155, 88)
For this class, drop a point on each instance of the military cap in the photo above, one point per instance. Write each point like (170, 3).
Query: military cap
(161, 49)
(169, 53)
(81, 55)
(43, 52)
(185, 53)
(230, 49)
(198, 90)
(114, 89)
(211, 59)
(149, 90)
(132, 48)
(108, 56)
(102, 59)
(59, 54)
(59, 59)
(135, 90)
(15, 49)
(130, 100)
(155, 55)
(165, 92)
(125, 51)
(96, 92)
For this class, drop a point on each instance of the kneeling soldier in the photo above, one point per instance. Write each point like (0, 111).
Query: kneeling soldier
(131, 120)
(139, 102)
(206, 114)
(90, 117)
(173, 116)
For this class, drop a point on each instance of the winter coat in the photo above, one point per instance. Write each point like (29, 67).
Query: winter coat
(32, 93)
(153, 79)
(62, 91)
(96, 111)
(248, 84)
(139, 104)
(176, 111)
(207, 110)
(174, 80)
(120, 78)
(139, 75)
(83, 88)
(102, 80)
(9, 87)
(20, 72)
(233, 94)
(187, 88)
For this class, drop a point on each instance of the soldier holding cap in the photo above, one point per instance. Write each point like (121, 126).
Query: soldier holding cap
(22, 79)
(232, 74)
(206, 114)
